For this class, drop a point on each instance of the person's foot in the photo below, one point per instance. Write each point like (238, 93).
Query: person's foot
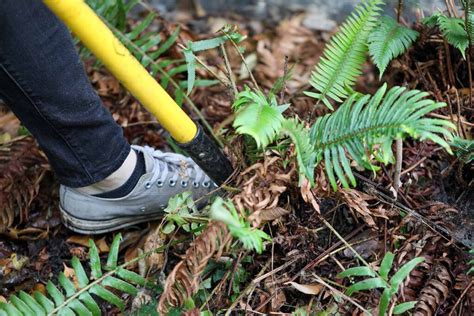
(167, 174)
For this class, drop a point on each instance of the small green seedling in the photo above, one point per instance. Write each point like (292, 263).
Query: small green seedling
(390, 286)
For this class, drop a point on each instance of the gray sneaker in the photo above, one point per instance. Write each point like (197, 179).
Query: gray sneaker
(167, 175)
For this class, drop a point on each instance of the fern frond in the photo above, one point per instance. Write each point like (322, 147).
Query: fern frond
(345, 54)
(453, 31)
(258, 116)
(389, 40)
(468, 6)
(366, 127)
(76, 299)
(305, 155)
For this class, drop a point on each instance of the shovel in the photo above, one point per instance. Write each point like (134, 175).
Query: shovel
(100, 40)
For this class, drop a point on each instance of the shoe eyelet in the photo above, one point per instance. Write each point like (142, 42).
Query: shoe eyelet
(206, 184)
(159, 183)
(148, 185)
(195, 184)
(184, 183)
(172, 183)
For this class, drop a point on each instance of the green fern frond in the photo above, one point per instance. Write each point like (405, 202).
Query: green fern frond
(463, 149)
(453, 31)
(225, 211)
(305, 155)
(76, 299)
(389, 40)
(366, 127)
(258, 116)
(345, 54)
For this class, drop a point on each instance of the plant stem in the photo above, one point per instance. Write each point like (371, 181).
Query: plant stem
(399, 10)
(229, 71)
(244, 62)
(398, 165)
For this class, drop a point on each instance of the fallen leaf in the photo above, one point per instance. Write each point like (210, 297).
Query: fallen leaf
(71, 275)
(311, 289)
(102, 245)
(79, 240)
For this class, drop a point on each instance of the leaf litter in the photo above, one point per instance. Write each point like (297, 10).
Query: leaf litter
(34, 246)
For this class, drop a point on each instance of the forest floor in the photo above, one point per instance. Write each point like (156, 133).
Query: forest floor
(433, 216)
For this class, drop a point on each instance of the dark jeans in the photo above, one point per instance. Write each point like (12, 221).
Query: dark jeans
(44, 83)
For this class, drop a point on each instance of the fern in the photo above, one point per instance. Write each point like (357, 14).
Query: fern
(381, 280)
(452, 29)
(389, 40)
(305, 154)
(258, 116)
(345, 54)
(225, 211)
(454, 32)
(76, 299)
(366, 126)
(463, 149)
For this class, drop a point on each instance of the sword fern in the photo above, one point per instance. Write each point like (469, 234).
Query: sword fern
(345, 54)
(364, 128)
(388, 41)
(75, 298)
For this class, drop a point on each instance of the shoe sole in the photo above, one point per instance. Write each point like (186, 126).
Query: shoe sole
(91, 227)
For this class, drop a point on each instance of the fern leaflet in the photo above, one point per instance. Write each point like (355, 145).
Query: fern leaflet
(258, 116)
(365, 127)
(345, 54)
(454, 32)
(305, 155)
(388, 41)
(76, 299)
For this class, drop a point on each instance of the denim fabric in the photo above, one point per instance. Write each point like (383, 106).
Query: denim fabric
(44, 83)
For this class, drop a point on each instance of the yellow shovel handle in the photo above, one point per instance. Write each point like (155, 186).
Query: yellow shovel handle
(96, 36)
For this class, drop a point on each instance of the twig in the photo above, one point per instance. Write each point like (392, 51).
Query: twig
(285, 74)
(326, 253)
(453, 310)
(249, 288)
(229, 71)
(322, 282)
(244, 62)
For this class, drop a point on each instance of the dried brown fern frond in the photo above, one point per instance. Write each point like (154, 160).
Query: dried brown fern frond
(22, 166)
(184, 280)
(359, 203)
(435, 291)
(262, 184)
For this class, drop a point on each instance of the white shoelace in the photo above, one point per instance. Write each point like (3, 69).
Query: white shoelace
(166, 163)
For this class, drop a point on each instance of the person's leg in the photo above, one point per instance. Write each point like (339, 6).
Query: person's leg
(44, 83)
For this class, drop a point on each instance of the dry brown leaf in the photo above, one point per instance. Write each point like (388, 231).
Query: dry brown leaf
(308, 196)
(311, 289)
(154, 240)
(71, 275)
(102, 245)
(82, 240)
